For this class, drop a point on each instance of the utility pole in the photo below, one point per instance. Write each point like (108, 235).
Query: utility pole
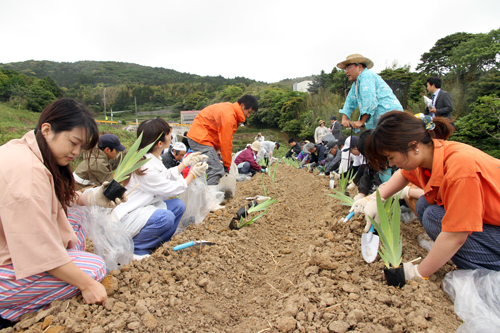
(105, 104)
(135, 102)
(111, 114)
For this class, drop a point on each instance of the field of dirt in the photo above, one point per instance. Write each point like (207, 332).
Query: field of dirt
(297, 269)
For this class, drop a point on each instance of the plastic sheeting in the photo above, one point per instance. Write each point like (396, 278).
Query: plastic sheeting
(199, 201)
(227, 183)
(110, 241)
(476, 297)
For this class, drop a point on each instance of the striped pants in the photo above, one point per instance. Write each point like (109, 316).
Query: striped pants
(36, 292)
(480, 250)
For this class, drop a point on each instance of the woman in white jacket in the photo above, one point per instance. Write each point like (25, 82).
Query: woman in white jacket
(148, 215)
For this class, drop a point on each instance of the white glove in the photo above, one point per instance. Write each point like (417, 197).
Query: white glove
(358, 196)
(193, 158)
(334, 175)
(411, 271)
(370, 211)
(96, 197)
(351, 186)
(359, 205)
(199, 169)
(405, 193)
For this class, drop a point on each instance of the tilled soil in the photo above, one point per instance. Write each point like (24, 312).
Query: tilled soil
(297, 269)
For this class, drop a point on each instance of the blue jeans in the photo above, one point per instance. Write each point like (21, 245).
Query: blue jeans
(247, 168)
(480, 250)
(160, 227)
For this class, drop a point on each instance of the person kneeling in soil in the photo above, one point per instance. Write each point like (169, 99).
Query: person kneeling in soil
(42, 243)
(98, 166)
(149, 217)
(333, 157)
(246, 160)
(317, 153)
(461, 205)
(266, 152)
(294, 148)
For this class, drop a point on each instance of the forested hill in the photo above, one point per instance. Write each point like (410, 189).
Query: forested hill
(92, 73)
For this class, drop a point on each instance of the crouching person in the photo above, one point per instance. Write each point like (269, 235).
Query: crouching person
(42, 247)
(246, 159)
(149, 216)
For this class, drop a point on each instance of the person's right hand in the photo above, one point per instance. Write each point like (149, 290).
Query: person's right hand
(370, 211)
(405, 193)
(199, 169)
(95, 293)
(346, 123)
(359, 206)
(193, 158)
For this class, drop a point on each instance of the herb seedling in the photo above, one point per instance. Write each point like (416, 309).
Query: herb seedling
(345, 179)
(264, 186)
(388, 228)
(127, 165)
(273, 175)
(263, 206)
(345, 199)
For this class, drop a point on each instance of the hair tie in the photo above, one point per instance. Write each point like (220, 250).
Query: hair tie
(427, 120)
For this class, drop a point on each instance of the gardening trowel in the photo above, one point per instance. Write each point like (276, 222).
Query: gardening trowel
(192, 243)
(369, 245)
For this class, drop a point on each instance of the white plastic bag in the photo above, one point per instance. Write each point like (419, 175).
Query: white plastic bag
(476, 297)
(199, 202)
(227, 183)
(111, 242)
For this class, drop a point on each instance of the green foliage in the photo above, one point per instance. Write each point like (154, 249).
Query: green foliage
(131, 161)
(345, 199)
(437, 60)
(264, 186)
(345, 179)
(388, 229)
(263, 206)
(291, 161)
(275, 170)
(478, 53)
(481, 127)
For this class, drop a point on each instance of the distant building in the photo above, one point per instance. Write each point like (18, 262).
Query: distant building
(302, 86)
(187, 117)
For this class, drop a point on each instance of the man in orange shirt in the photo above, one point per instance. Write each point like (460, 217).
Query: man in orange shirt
(213, 129)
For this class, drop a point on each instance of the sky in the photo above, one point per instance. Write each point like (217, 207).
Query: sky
(262, 40)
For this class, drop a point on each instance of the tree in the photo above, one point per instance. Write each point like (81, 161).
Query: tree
(437, 60)
(49, 84)
(477, 54)
(481, 127)
(39, 98)
(231, 94)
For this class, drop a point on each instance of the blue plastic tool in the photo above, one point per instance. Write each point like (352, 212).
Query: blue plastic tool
(348, 217)
(192, 243)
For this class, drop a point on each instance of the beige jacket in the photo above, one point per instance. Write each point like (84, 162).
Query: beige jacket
(34, 229)
(96, 170)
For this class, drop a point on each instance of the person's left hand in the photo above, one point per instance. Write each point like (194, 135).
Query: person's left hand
(433, 110)
(359, 205)
(98, 198)
(199, 169)
(411, 271)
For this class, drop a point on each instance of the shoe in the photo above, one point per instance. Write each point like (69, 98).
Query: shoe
(140, 257)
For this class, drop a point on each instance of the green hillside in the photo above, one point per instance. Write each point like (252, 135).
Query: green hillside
(110, 73)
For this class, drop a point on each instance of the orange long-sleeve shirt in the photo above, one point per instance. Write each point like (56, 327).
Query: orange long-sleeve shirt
(466, 181)
(215, 125)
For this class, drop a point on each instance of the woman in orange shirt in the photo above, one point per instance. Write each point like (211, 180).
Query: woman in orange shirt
(460, 208)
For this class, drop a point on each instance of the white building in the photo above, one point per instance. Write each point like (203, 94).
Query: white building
(187, 117)
(302, 86)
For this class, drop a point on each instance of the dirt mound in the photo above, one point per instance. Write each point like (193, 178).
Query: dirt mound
(297, 269)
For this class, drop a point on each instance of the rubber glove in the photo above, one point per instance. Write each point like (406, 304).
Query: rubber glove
(96, 197)
(411, 271)
(405, 193)
(370, 211)
(199, 169)
(263, 169)
(193, 158)
(358, 206)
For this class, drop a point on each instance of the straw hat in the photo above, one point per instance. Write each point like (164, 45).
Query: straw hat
(255, 146)
(322, 122)
(355, 59)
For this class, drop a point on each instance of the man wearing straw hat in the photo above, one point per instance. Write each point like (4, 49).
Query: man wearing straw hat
(369, 92)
